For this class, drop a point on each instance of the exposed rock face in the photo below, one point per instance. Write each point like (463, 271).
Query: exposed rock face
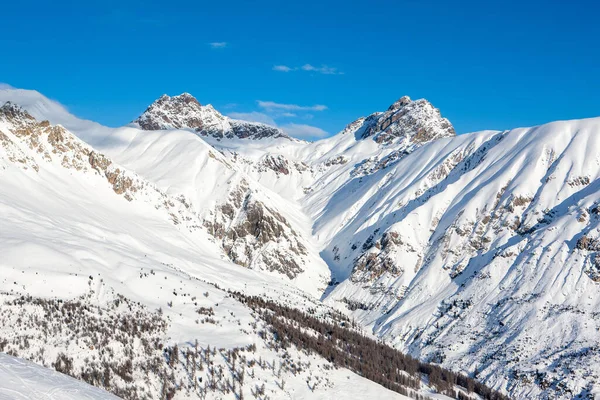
(256, 236)
(339, 160)
(379, 258)
(177, 112)
(416, 121)
(49, 142)
(278, 164)
(14, 112)
(248, 130)
(185, 112)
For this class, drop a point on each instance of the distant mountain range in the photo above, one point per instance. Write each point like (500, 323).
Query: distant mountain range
(478, 252)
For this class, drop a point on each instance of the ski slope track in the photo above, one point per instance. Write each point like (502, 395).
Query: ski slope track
(479, 252)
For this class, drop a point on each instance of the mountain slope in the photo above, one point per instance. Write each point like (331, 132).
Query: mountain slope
(485, 261)
(463, 237)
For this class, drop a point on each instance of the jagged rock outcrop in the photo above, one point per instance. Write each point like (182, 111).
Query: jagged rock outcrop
(415, 121)
(255, 235)
(378, 258)
(185, 112)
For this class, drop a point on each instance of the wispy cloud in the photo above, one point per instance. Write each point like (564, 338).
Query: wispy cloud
(218, 45)
(272, 106)
(253, 116)
(304, 131)
(283, 68)
(323, 69)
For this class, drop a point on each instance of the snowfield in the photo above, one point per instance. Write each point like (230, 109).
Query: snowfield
(478, 252)
(25, 380)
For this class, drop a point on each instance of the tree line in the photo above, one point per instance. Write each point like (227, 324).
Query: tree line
(348, 348)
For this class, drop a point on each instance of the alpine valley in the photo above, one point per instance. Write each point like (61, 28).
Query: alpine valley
(190, 255)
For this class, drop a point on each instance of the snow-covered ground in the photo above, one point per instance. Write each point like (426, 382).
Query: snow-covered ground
(20, 379)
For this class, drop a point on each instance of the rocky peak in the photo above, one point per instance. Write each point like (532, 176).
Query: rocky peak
(12, 111)
(185, 112)
(186, 98)
(407, 120)
(177, 112)
(404, 100)
(183, 98)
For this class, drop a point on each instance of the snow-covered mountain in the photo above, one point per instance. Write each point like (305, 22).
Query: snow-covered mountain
(109, 279)
(477, 252)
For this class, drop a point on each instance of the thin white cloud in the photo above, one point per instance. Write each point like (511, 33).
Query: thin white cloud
(253, 116)
(288, 115)
(283, 68)
(323, 69)
(272, 106)
(304, 131)
(218, 45)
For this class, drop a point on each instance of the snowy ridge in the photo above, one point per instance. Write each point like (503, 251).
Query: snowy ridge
(29, 143)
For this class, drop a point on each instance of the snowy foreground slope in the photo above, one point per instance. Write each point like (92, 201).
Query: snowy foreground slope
(478, 252)
(25, 380)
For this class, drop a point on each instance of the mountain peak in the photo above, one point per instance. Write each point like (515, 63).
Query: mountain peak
(403, 101)
(177, 112)
(186, 98)
(183, 100)
(185, 112)
(13, 110)
(417, 121)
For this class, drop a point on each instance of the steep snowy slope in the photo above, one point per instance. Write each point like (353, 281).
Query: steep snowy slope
(25, 380)
(481, 255)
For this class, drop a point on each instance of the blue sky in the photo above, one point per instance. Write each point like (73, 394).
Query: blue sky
(311, 66)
